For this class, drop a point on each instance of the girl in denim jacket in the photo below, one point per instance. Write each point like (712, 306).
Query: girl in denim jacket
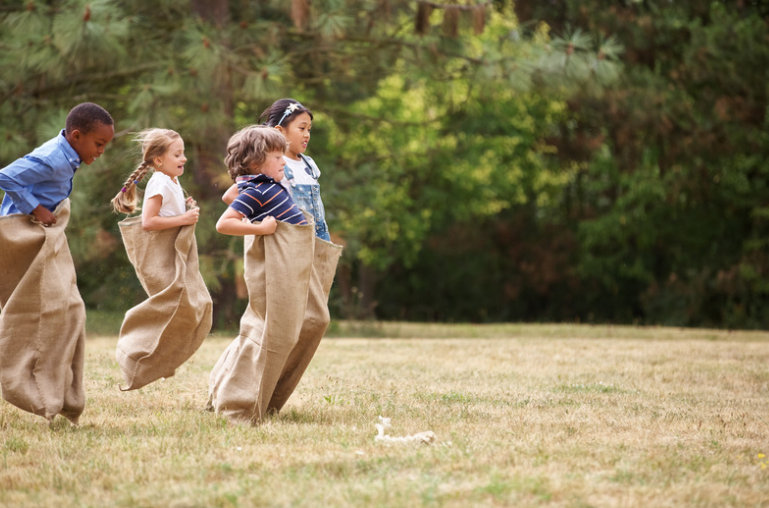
(301, 174)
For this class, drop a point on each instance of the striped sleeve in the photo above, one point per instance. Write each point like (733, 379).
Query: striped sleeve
(268, 199)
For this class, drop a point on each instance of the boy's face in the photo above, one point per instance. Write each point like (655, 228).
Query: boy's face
(91, 145)
(273, 165)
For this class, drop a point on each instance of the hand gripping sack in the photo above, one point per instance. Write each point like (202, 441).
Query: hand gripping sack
(289, 276)
(42, 322)
(164, 331)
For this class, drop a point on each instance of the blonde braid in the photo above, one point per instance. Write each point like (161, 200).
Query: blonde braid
(125, 200)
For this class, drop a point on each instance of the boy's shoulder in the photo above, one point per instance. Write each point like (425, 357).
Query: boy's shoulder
(52, 152)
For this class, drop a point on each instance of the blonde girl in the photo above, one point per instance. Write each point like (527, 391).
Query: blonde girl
(164, 205)
(162, 332)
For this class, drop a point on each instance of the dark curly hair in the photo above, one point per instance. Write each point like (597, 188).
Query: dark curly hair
(85, 116)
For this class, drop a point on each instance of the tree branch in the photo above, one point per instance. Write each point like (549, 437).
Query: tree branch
(61, 85)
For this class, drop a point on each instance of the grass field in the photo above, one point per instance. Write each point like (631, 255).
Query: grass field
(524, 415)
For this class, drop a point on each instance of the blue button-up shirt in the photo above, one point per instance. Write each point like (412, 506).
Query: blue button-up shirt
(44, 177)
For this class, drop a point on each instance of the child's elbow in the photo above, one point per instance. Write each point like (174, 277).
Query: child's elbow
(229, 198)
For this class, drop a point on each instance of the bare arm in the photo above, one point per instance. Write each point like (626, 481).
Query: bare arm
(231, 194)
(151, 221)
(231, 223)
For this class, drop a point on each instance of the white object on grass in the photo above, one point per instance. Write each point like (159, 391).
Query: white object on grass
(426, 437)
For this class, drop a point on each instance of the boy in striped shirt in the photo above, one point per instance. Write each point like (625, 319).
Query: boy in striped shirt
(255, 163)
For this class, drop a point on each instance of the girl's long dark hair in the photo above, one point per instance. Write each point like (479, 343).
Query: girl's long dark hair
(280, 113)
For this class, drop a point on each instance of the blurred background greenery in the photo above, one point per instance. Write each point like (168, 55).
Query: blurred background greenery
(591, 161)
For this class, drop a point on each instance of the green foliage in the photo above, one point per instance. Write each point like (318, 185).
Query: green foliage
(667, 205)
(597, 161)
(658, 210)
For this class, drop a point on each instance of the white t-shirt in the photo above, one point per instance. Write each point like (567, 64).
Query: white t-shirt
(161, 184)
(299, 169)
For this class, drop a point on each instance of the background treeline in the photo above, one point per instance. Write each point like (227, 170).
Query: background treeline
(589, 160)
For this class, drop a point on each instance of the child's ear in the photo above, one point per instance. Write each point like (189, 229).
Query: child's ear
(280, 129)
(75, 134)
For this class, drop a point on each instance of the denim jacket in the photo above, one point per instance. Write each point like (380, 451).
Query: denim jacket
(308, 196)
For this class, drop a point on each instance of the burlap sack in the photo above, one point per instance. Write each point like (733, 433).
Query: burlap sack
(289, 276)
(164, 331)
(42, 323)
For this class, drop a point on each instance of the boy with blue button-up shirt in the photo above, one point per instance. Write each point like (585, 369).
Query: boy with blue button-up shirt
(42, 323)
(39, 181)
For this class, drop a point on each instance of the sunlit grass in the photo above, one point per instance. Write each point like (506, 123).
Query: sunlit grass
(524, 415)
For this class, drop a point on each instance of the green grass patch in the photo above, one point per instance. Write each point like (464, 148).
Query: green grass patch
(523, 415)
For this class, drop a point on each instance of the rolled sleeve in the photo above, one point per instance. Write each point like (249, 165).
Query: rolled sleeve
(18, 179)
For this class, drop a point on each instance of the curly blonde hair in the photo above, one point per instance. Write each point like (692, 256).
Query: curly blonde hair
(155, 143)
(247, 149)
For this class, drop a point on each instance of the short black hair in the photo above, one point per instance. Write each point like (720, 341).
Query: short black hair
(85, 116)
(273, 115)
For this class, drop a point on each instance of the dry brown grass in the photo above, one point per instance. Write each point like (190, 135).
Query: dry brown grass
(525, 415)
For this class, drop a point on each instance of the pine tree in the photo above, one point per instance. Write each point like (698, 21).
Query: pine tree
(208, 67)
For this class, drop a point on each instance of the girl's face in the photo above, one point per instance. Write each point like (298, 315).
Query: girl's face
(297, 134)
(172, 162)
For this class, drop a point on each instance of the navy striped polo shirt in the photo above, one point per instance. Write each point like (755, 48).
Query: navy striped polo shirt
(261, 196)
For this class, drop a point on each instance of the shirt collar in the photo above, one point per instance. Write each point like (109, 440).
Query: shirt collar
(164, 176)
(69, 152)
(253, 178)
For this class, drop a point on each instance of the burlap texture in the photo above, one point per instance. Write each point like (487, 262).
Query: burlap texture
(42, 324)
(288, 275)
(164, 331)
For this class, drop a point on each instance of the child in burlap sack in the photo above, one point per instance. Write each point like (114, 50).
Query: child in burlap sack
(301, 174)
(164, 331)
(42, 324)
(288, 273)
